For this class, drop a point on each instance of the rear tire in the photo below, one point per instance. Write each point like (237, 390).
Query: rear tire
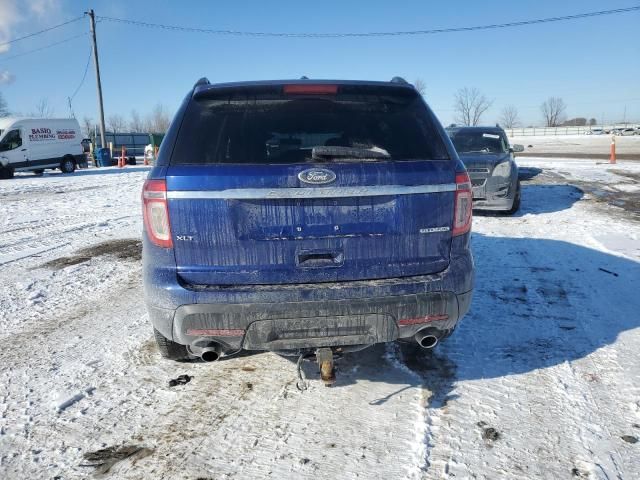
(6, 172)
(516, 201)
(67, 165)
(169, 349)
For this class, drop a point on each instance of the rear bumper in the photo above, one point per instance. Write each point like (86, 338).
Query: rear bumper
(290, 326)
(289, 317)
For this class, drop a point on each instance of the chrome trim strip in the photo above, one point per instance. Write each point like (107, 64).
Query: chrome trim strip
(309, 192)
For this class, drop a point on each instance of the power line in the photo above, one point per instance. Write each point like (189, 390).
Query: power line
(42, 31)
(84, 75)
(370, 34)
(4, 59)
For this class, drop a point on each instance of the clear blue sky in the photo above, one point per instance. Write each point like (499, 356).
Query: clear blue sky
(593, 64)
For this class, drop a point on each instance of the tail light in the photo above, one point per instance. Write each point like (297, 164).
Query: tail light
(463, 204)
(156, 213)
(419, 320)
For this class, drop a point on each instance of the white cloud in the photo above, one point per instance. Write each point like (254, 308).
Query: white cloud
(9, 16)
(43, 7)
(6, 77)
(13, 12)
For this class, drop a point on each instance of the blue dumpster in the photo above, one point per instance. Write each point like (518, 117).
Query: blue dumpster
(104, 157)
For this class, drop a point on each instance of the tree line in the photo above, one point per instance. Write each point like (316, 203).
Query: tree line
(156, 121)
(470, 104)
(42, 109)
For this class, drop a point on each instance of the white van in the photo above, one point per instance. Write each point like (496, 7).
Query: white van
(36, 144)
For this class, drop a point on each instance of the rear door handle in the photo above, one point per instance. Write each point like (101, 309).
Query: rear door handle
(23, 150)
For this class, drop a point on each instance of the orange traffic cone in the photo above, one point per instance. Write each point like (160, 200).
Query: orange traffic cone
(612, 155)
(123, 160)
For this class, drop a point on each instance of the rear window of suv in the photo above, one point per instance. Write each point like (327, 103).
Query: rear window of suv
(477, 141)
(274, 128)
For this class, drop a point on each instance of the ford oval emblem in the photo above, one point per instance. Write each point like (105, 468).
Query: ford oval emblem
(317, 176)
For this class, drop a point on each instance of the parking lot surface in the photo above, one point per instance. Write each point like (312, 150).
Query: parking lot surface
(540, 380)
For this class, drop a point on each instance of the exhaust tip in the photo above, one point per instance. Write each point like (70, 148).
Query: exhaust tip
(210, 354)
(429, 341)
(426, 338)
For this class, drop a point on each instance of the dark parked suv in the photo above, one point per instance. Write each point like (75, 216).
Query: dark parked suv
(490, 162)
(305, 217)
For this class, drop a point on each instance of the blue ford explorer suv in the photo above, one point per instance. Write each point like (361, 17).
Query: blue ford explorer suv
(305, 217)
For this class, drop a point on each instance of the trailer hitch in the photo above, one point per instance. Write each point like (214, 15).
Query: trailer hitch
(325, 359)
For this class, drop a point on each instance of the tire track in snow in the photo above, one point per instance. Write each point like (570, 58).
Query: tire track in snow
(530, 332)
(242, 416)
(272, 427)
(53, 237)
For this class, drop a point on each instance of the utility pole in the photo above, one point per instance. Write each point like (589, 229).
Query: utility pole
(92, 23)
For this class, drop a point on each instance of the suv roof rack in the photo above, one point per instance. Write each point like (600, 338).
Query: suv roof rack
(202, 81)
(399, 80)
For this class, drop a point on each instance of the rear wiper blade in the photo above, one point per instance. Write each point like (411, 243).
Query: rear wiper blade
(484, 150)
(357, 153)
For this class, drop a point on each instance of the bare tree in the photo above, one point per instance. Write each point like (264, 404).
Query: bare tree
(88, 127)
(469, 105)
(116, 123)
(136, 124)
(509, 117)
(43, 109)
(158, 120)
(553, 111)
(420, 85)
(4, 109)
(592, 122)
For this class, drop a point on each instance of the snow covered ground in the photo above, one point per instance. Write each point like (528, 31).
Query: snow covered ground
(541, 379)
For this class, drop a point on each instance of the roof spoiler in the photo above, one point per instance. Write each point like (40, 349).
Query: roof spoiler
(205, 81)
(204, 89)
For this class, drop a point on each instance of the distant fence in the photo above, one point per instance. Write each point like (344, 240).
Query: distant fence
(530, 131)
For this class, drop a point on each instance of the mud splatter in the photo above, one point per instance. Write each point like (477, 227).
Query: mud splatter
(126, 249)
(103, 460)
(491, 434)
(180, 380)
